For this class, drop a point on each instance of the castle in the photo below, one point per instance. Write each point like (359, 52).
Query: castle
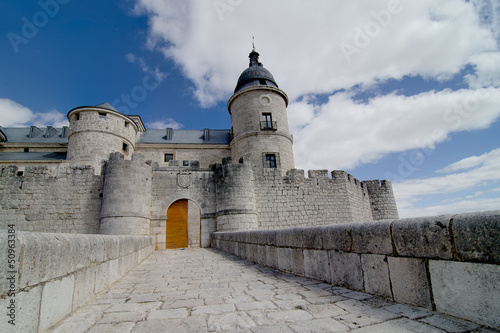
(107, 174)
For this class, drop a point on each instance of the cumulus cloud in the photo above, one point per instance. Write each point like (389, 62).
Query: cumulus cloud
(162, 124)
(13, 114)
(343, 133)
(476, 171)
(387, 39)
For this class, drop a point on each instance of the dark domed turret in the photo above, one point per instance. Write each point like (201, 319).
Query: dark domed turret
(255, 74)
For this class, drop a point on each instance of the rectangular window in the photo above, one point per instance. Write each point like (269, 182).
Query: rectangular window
(168, 157)
(126, 124)
(267, 121)
(185, 163)
(271, 161)
(102, 115)
(125, 147)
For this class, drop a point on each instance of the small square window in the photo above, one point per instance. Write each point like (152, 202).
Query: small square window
(185, 163)
(26, 150)
(271, 161)
(102, 115)
(168, 157)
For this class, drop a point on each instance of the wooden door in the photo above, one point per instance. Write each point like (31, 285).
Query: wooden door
(177, 225)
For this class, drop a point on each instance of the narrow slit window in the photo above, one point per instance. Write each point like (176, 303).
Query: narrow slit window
(125, 147)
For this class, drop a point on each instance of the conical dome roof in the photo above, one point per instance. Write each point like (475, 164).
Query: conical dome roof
(255, 74)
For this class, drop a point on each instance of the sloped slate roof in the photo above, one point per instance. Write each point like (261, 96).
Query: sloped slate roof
(21, 156)
(217, 137)
(43, 135)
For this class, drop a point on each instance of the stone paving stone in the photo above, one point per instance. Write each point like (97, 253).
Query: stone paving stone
(231, 322)
(194, 324)
(205, 290)
(449, 325)
(402, 325)
(325, 310)
(255, 306)
(289, 316)
(109, 328)
(169, 314)
(319, 325)
(408, 311)
(117, 317)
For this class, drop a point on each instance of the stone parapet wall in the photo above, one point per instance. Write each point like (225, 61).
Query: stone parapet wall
(296, 201)
(450, 263)
(57, 273)
(50, 198)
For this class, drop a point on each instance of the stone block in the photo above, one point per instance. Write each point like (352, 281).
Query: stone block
(477, 235)
(467, 290)
(261, 255)
(291, 260)
(346, 269)
(372, 237)
(316, 265)
(313, 237)
(101, 277)
(272, 256)
(56, 302)
(27, 312)
(290, 238)
(376, 275)
(426, 237)
(409, 281)
(337, 237)
(84, 287)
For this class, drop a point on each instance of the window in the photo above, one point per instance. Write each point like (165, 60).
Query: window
(125, 147)
(77, 116)
(126, 124)
(267, 122)
(102, 115)
(185, 163)
(26, 150)
(271, 161)
(168, 157)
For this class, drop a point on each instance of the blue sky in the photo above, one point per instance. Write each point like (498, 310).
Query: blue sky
(384, 89)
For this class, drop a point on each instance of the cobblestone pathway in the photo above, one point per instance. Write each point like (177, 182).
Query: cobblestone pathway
(204, 290)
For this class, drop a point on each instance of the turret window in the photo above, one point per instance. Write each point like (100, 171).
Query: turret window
(271, 161)
(267, 122)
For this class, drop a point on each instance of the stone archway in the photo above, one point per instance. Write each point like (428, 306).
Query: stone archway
(183, 225)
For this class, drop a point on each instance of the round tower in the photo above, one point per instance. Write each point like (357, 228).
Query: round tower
(259, 120)
(236, 205)
(126, 203)
(97, 131)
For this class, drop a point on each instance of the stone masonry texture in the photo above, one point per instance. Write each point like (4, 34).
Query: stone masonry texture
(202, 290)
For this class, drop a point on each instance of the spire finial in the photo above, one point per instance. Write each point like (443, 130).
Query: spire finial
(253, 43)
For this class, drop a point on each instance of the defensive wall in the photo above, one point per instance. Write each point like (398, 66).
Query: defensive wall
(51, 198)
(450, 263)
(132, 196)
(55, 274)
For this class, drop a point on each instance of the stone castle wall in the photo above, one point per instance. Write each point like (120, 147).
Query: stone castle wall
(51, 199)
(132, 198)
(294, 200)
(207, 156)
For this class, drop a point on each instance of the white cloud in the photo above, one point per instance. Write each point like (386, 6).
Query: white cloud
(300, 42)
(162, 124)
(481, 171)
(343, 133)
(13, 114)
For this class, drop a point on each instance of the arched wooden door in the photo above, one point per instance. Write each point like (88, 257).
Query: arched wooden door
(177, 225)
